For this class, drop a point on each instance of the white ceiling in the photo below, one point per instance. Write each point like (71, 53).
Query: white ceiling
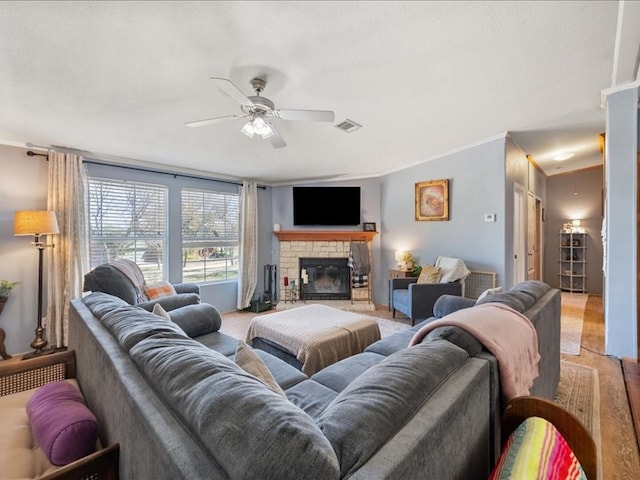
(120, 79)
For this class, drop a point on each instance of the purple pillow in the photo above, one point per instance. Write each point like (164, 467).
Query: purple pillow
(62, 425)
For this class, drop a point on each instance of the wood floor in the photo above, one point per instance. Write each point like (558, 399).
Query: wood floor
(620, 454)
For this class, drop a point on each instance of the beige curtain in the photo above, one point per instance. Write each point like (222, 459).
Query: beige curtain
(248, 262)
(68, 261)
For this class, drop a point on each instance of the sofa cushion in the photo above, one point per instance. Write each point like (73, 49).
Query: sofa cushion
(129, 325)
(232, 412)
(489, 291)
(198, 319)
(519, 301)
(251, 363)
(159, 290)
(458, 337)
(62, 425)
(535, 288)
(391, 344)
(100, 303)
(339, 375)
(161, 312)
(220, 342)
(429, 274)
(378, 403)
(311, 396)
(286, 375)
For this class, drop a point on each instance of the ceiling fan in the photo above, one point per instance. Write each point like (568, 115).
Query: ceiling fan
(260, 111)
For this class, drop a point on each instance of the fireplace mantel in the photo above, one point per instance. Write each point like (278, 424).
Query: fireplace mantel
(325, 235)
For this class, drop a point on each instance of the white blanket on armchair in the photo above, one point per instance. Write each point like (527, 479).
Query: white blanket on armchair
(452, 269)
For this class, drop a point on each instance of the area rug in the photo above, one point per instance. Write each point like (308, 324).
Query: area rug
(579, 393)
(571, 320)
(389, 327)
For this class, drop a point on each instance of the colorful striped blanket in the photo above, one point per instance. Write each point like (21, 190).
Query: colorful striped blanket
(536, 450)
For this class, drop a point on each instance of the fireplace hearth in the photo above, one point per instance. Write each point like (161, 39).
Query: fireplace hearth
(324, 279)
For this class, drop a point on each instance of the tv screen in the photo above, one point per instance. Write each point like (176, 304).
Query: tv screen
(326, 206)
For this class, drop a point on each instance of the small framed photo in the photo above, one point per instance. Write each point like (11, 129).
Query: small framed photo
(432, 200)
(369, 226)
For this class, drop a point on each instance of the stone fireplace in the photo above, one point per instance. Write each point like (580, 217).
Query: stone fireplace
(324, 279)
(321, 245)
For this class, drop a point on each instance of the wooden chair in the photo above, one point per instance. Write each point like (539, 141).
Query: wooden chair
(573, 431)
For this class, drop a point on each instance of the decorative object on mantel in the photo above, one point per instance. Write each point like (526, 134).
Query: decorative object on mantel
(432, 200)
(369, 226)
(5, 291)
(37, 223)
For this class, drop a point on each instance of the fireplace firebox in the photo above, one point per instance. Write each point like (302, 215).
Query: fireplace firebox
(324, 279)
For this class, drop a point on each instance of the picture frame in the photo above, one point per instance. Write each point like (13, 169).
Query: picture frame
(369, 226)
(432, 200)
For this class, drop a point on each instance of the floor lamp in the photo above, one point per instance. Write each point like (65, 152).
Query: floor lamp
(37, 223)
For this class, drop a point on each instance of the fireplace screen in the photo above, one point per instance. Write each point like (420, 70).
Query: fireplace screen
(324, 279)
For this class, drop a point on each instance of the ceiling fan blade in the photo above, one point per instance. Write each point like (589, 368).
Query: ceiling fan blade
(228, 87)
(209, 121)
(276, 139)
(312, 115)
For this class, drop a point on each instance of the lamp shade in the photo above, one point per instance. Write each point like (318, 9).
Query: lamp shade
(35, 222)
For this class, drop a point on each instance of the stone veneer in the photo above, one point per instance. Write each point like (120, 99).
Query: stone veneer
(291, 251)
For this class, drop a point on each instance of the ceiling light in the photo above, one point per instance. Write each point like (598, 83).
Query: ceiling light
(563, 156)
(257, 125)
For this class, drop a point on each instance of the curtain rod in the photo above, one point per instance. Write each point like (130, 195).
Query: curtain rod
(31, 153)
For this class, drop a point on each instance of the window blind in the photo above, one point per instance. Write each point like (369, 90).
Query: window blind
(129, 220)
(209, 235)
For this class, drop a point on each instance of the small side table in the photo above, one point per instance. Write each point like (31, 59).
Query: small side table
(395, 273)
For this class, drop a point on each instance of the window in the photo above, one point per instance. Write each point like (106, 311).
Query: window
(209, 235)
(129, 220)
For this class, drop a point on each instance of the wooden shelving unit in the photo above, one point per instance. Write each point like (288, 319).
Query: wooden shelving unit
(573, 262)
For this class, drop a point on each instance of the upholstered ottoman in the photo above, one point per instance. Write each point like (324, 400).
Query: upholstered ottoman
(313, 336)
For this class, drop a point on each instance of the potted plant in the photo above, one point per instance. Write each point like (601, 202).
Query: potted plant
(5, 291)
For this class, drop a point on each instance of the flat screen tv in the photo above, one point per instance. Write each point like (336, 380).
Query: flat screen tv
(331, 206)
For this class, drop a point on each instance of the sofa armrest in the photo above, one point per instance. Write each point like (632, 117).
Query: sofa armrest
(186, 288)
(197, 320)
(424, 296)
(172, 302)
(447, 304)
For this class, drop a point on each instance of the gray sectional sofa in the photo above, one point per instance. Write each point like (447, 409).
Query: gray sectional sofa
(180, 408)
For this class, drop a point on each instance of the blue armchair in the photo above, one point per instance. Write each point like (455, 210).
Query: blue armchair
(416, 300)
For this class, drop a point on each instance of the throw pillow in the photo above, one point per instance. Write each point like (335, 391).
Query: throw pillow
(158, 290)
(161, 312)
(251, 363)
(429, 274)
(62, 425)
(489, 291)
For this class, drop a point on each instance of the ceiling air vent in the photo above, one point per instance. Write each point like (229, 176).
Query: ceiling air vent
(348, 126)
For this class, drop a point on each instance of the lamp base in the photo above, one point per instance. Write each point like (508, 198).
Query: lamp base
(44, 351)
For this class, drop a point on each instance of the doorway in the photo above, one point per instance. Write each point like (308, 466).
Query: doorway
(534, 236)
(519, 231)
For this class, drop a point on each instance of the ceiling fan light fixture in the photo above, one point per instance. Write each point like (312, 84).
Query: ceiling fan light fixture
(248, 129)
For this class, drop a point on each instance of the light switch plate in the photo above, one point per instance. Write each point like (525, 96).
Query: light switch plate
(489, 217)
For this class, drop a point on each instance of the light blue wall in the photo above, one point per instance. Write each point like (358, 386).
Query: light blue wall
(476, 187)
(23, 186)
(370, 189)
(621, 147)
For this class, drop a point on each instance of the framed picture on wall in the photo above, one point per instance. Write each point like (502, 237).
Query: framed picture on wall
(369, 226)
(432, 200)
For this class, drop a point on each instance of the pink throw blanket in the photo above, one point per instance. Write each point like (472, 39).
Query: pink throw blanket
(507, 334)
